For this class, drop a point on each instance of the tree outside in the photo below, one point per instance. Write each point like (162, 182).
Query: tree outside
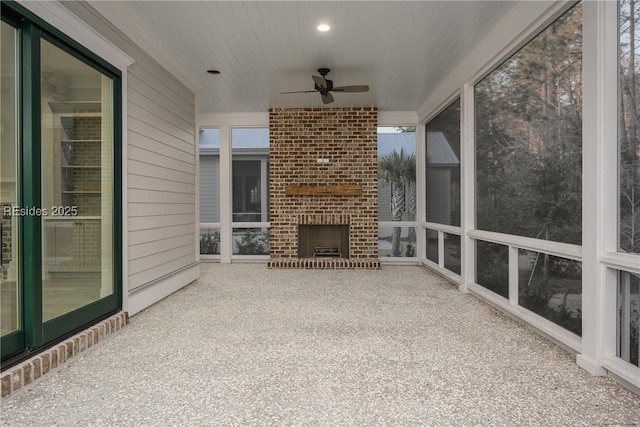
(529, 138)
(629, 128)
(529, 166)
(398, 170)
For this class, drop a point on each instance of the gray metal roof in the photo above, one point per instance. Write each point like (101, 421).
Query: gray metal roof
(439, 150)
(390, 142)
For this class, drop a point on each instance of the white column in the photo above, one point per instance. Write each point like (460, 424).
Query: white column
(264, 189)
(226, 237)
(599, 182)
(421, 204)
(467, 185)
(513, 275)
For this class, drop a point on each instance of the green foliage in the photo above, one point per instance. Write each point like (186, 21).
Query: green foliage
(410, 251)
(210, 243)
(529, 138)
(253, 243)
(535, 298)
(565, 268)
(566, 317)
(492, 269)
(629, 135)
(398, 170)
(634, 325)
(635, 334)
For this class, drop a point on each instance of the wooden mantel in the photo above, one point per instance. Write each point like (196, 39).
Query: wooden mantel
(323, 190)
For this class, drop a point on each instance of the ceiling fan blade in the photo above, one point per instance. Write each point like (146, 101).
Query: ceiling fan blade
(355, 88)
(327, 99)
(319, 81)
(299, 91)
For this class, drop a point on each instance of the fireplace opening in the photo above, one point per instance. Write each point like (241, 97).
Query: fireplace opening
(323, 241)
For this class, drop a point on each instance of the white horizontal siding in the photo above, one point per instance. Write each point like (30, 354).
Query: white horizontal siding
(161, 175)
(161, 160)
(151, 209)
(148, 249)
(141, 182)
(143, 95)
(156, 132)
(151, 196)
(144, 168)
(151, 118)
(137, 237)
(143, 277)
(142, 141)
(155, 259)
(160, 221)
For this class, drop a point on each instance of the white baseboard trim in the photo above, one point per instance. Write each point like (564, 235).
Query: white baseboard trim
(142, 299)
(590, 366)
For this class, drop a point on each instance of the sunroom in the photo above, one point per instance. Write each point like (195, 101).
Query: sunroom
(494, 143)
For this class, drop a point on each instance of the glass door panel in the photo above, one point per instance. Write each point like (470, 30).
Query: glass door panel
(77, 183)
(10, 289)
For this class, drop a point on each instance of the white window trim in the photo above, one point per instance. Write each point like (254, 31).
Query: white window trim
(396, 119)
(225, 122)
(73, 27)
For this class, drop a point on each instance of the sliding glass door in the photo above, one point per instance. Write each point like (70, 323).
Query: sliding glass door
(59, 173)
(76, 174)
(11, 326)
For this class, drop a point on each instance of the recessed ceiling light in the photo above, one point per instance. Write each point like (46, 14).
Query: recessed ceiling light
(214, 72)
(323, 28)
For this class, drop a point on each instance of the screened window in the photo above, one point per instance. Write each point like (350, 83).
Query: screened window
(552, 288)
(492, 267)
(397, 174)
(250, 174)
(628, 323)
(529, 138)
(397, 191)
(443, 167)
(629, 129)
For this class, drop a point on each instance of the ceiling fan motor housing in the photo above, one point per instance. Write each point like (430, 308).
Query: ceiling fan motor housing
(324, 90)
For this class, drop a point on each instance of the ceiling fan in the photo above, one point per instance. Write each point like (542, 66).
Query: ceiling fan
(325, 86)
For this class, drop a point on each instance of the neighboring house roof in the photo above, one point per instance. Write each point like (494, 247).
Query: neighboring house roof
(439, 152)
(210, 138)
(390, 142)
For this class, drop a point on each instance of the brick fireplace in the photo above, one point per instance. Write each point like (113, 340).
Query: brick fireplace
(323, 171)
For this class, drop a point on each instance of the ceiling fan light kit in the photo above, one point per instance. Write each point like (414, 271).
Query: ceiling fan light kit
(324, 86)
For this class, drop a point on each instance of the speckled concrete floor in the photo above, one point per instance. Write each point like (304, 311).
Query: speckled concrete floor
(250, 346)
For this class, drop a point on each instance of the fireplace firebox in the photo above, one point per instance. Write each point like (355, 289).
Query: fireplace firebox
(323, 241)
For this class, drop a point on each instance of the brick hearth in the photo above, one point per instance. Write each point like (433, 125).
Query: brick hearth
(335, 149)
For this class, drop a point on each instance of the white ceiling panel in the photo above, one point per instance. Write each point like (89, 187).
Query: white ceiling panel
(402, 50)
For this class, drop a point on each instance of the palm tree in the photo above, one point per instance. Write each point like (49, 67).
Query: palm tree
(397, 170)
